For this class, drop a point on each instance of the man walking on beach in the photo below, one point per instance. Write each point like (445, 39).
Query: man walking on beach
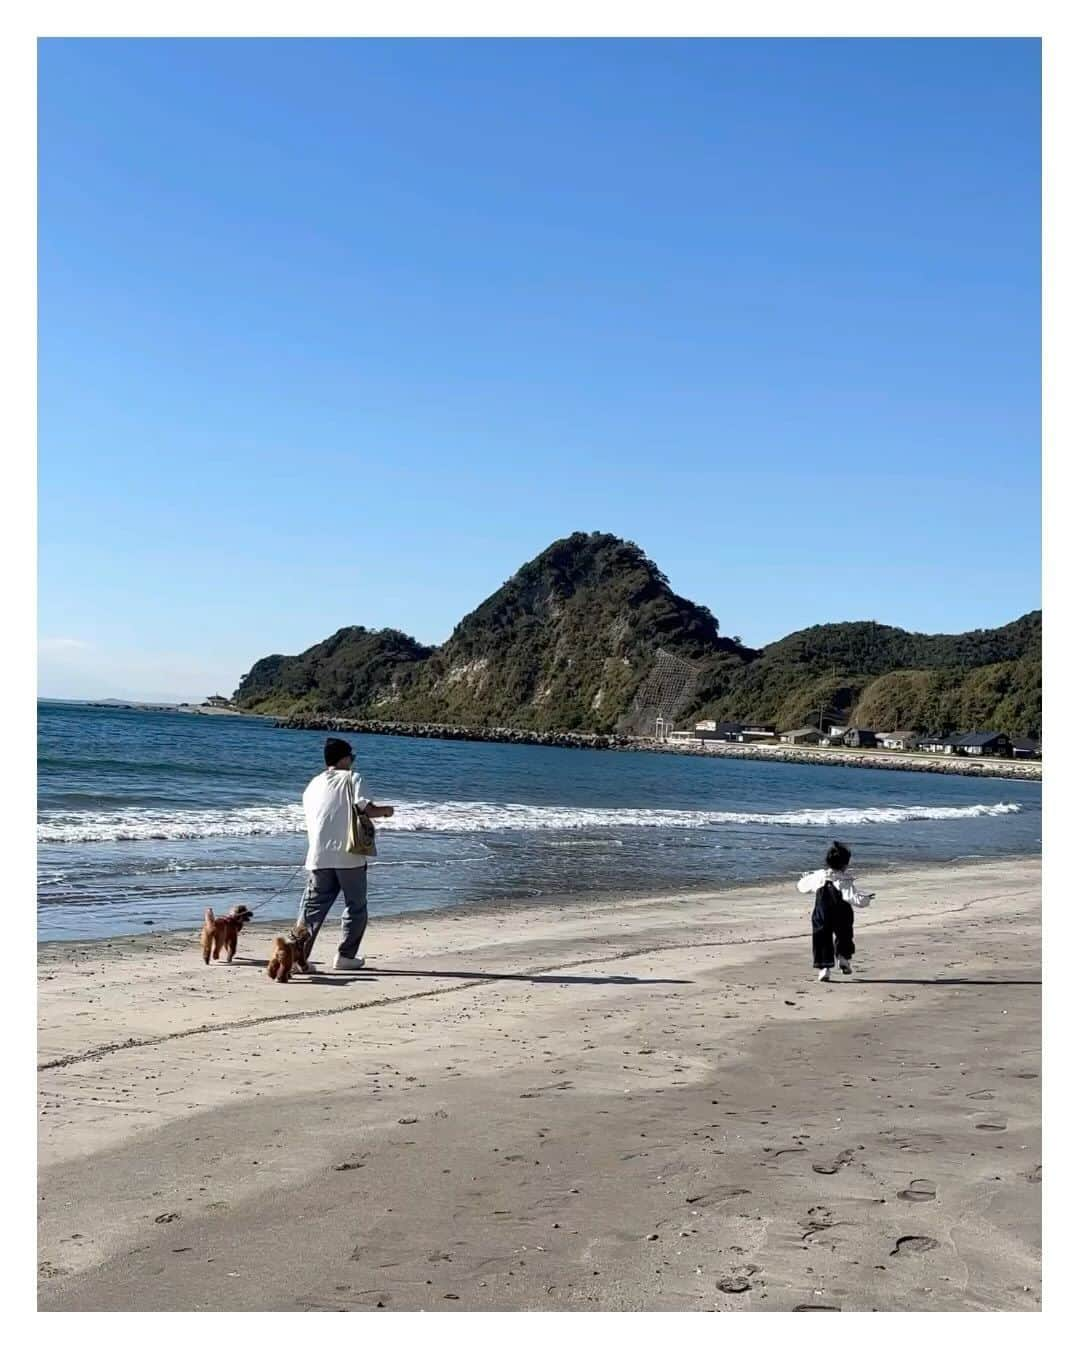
(329, 800)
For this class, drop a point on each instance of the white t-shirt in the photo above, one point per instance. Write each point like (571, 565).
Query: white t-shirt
(844, 882)
(326, 810)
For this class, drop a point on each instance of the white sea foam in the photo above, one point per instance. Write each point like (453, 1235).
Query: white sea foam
(471, 818)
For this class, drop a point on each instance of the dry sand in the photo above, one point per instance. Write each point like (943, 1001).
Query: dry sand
(636, 1104)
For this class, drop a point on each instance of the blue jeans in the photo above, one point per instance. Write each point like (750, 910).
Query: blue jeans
(324, 886)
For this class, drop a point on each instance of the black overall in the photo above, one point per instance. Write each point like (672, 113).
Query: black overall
(833, 924)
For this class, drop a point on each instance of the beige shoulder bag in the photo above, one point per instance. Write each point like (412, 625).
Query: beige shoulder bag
(361, 838)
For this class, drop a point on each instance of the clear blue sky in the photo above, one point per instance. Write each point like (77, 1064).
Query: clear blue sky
(341, 332)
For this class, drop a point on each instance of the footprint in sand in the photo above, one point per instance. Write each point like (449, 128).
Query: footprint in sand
(815, 1307)
(1035, 1175)
(983, 1096)
(991, 1125)
(841, 1160)
(914, 1243)
(920, 1189)
(733, 1284)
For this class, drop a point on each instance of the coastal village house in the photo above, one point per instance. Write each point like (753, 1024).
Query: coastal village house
(710, 730)
(896, 740)
(982, 743)
(968, 743)
(975, 743)
(759, 731)
(801, 736)
(717, 731)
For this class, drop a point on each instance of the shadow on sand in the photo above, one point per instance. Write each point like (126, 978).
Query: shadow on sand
(990, 984)
(371, 972)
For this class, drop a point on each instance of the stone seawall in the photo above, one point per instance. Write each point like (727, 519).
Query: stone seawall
(573, 740)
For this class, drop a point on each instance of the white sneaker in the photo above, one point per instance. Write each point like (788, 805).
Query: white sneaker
(348, 963)
(823, 974)
(845, 966)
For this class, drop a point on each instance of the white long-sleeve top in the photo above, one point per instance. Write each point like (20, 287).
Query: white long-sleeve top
(844, 882)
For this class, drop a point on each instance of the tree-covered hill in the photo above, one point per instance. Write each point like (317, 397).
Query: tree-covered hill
(589, 636)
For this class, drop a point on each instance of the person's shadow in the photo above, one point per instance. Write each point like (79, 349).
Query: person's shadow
(370, 973)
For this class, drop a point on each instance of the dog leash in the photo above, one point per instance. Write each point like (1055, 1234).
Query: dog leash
(274, 894)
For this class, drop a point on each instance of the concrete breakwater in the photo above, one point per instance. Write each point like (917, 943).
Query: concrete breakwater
(571, 740)
(575, 740)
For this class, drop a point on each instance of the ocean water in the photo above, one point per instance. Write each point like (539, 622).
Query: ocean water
(145, 818)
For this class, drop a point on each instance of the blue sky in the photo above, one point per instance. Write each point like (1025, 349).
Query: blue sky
(341, 332)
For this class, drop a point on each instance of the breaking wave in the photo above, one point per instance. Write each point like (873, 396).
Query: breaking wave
(147, 824)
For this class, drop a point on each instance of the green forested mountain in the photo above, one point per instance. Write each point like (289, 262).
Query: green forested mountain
(349, 671)
(565, 645)
(590, 636)
(887, 679)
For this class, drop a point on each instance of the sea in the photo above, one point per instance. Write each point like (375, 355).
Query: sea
(147, 817)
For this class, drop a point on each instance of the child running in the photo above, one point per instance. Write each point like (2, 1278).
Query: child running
(833, 919)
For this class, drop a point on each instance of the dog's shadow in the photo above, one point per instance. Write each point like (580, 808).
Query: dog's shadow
(314, 978)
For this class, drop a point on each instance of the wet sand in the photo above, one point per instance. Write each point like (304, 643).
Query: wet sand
(638, 1104)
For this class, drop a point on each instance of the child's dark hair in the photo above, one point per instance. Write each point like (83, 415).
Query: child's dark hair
(838, 856)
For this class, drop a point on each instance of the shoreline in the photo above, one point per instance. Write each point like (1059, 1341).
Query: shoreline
(122, 705)
(638, 1103)
(1028, 770)
(56, 949)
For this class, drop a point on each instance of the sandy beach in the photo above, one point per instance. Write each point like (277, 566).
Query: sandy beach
(617, 1104)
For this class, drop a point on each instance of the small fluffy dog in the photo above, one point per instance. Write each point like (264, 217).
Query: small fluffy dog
(289, 952)
(224, 932)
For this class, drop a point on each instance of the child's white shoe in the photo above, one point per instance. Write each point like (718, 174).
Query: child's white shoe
(845, 966)
(823, 975)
